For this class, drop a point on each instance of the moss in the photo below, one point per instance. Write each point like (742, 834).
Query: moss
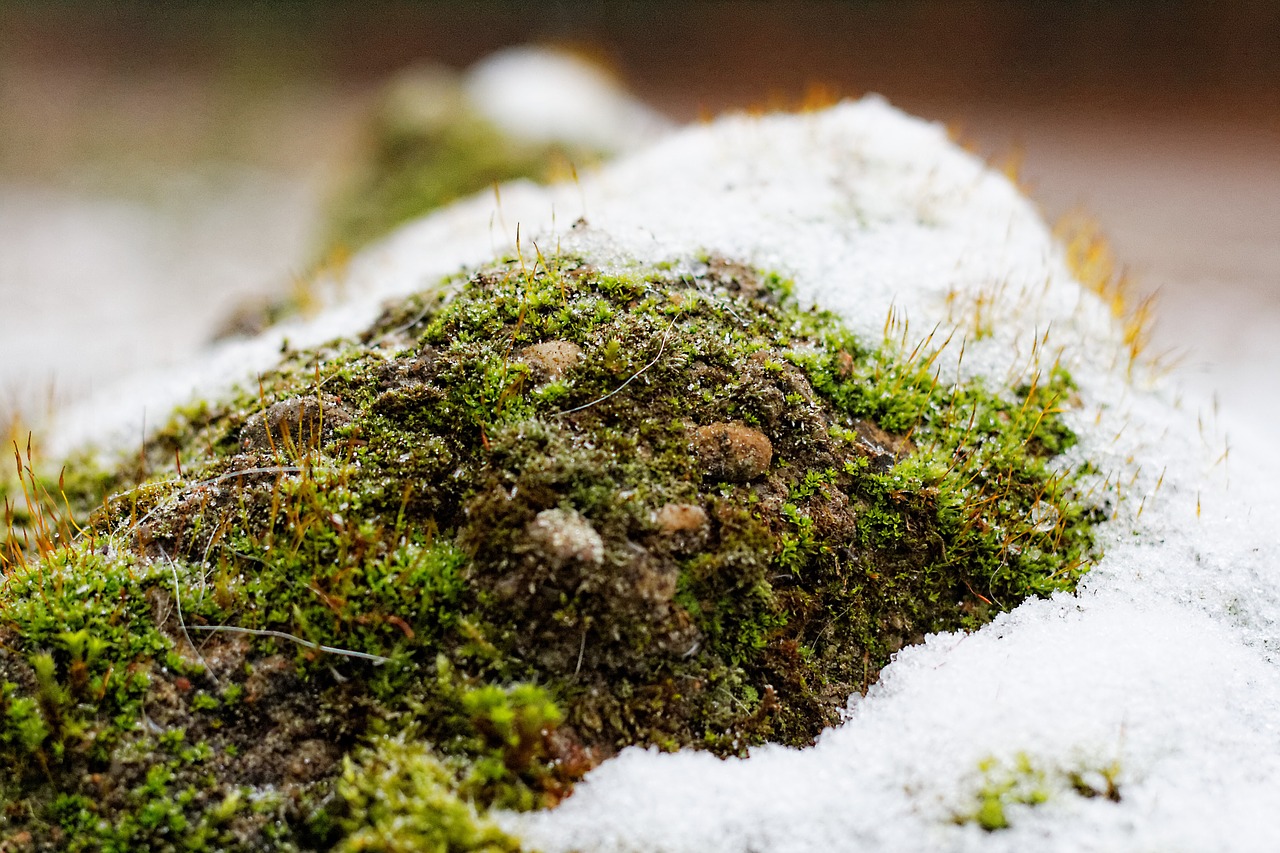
(401, 798)
(520, 523)
(427, 146)
(1007, 787)
(42, 507)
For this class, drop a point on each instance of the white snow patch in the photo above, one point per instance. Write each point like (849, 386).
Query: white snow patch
(542, 95)
(1164, 663)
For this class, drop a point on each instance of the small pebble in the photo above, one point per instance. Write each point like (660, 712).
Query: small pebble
(552, 358)
(732, 453)
(563, 536)
(680, 518)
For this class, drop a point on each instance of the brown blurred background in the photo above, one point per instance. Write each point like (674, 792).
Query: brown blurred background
(159, 162)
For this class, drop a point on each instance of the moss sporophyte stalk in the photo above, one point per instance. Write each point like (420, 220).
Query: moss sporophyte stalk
(525, 520)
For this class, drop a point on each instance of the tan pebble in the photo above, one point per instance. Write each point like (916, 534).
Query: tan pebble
(311, 760)
(552, 358)
(844, 364)
(764, 356)
(882, 448)
(731, 452)
(680, 518)
(564, 536)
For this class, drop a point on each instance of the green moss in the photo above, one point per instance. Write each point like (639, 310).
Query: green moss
(521, 523)
(402, 799)
(1007, 787)
(427, 146)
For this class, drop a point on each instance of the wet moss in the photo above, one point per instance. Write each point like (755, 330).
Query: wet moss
(522, 522)
(401, 798)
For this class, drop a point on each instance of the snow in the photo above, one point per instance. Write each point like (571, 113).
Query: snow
(93, 285)
(1165, 661)
(542, 95)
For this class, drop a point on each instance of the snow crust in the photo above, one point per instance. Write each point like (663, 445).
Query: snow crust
(1164, 663)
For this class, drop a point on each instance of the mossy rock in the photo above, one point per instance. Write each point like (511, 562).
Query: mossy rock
(414, 164)
(529, 518)
(424, 146)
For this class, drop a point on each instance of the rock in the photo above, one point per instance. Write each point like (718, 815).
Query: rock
(551, 359)
(883, 449)
(294, 424)
(844, 364)
(564, 536)
(732, 452)
(680, 518)
(475, 576)
(312, 759)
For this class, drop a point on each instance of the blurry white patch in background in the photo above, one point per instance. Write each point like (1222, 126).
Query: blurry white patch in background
(138, 204)
(543, 95)
(94, 286)
(1191, 207)
(99, 279)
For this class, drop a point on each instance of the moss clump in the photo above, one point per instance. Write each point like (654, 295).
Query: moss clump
(402, 798)
(519, 524)
(427, 146)
(1025, 784)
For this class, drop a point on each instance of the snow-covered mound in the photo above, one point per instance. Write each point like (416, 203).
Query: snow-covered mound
(1137, 714)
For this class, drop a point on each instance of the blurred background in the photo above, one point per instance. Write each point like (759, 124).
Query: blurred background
(163, 163)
